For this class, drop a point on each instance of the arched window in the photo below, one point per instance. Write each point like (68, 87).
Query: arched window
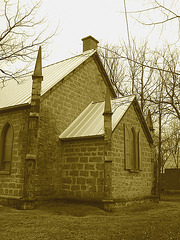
(6, 147)
(139, 150)
(133, 150)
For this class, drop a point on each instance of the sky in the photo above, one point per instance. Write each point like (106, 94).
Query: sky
(78, 19)
(103, 19)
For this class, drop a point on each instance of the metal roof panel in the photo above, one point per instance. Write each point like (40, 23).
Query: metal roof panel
(20, 93)
(91, 120)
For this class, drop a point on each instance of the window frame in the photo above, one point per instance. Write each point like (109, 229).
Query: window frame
(132, 149)
(3, 136)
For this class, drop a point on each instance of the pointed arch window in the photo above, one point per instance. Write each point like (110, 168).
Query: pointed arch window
(133, 150)
(6, 145)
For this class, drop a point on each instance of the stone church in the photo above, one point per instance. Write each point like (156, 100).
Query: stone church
(66, 135)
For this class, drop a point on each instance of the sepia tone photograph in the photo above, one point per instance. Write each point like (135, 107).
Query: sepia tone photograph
(90, 120)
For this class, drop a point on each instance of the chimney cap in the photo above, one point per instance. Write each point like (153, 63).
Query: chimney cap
(89, 43)
(90, 37)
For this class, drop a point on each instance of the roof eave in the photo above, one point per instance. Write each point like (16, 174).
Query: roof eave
(144, 124)
(122, 116)
(15, 107)
(82, 137)
(99, 63)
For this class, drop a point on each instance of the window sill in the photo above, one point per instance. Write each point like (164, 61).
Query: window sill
(5, 172)
(134, 170)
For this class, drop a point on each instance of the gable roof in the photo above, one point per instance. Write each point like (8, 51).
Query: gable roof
(90, 123)
(14, 94)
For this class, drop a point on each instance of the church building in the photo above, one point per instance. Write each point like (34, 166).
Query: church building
(64, 134)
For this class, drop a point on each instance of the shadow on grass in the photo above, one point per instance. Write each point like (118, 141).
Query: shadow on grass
(67, 208)
(83, 210)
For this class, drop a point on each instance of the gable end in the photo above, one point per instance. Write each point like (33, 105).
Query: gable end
(142, 121)
(104, 73)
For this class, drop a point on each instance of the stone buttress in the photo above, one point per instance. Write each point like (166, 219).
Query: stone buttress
(28, 201)
(108, 201)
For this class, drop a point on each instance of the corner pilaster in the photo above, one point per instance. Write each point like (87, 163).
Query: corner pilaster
(108, 201)
(29, 199)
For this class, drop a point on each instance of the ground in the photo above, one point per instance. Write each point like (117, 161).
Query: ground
(61, 220)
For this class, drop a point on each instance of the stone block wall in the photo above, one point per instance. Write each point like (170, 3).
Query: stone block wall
(128, 185)
(11, 185)
(59, 107)
(83, 170)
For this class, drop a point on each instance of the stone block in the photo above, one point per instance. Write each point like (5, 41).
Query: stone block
(83, 187)
(66, 166)
(75, 187)
(94, 174)
(100, 181)
(67, 150)
(91, 149)
(92, 189)
(100, 188)
(74, 173)
(84, 173)
(83, 159)
(83, 149)
(72, 159)
(66, 187)
(67, 180)
(79, 166)
(73, 166)
(95, 159)
(91, 181)
(80, 180)
(100, 166)
(89, 167)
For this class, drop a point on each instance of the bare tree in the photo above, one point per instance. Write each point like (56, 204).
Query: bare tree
(154, 77)
(21, 30)
(158, 12)
(114, 69)
(129, 69)
(168, 63)
(170, 146)
(140, 68)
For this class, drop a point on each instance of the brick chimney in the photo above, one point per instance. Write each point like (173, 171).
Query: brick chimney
(89, 43)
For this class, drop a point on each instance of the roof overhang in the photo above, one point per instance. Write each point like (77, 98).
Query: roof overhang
(104, 73)
(142, 120)
(101, 136)
(15, 107)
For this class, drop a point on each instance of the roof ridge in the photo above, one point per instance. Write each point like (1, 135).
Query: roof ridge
(82, 54)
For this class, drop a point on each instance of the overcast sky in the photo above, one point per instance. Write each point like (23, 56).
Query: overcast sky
(103, 19)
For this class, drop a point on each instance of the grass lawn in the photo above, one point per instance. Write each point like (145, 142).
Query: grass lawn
(62, 220)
